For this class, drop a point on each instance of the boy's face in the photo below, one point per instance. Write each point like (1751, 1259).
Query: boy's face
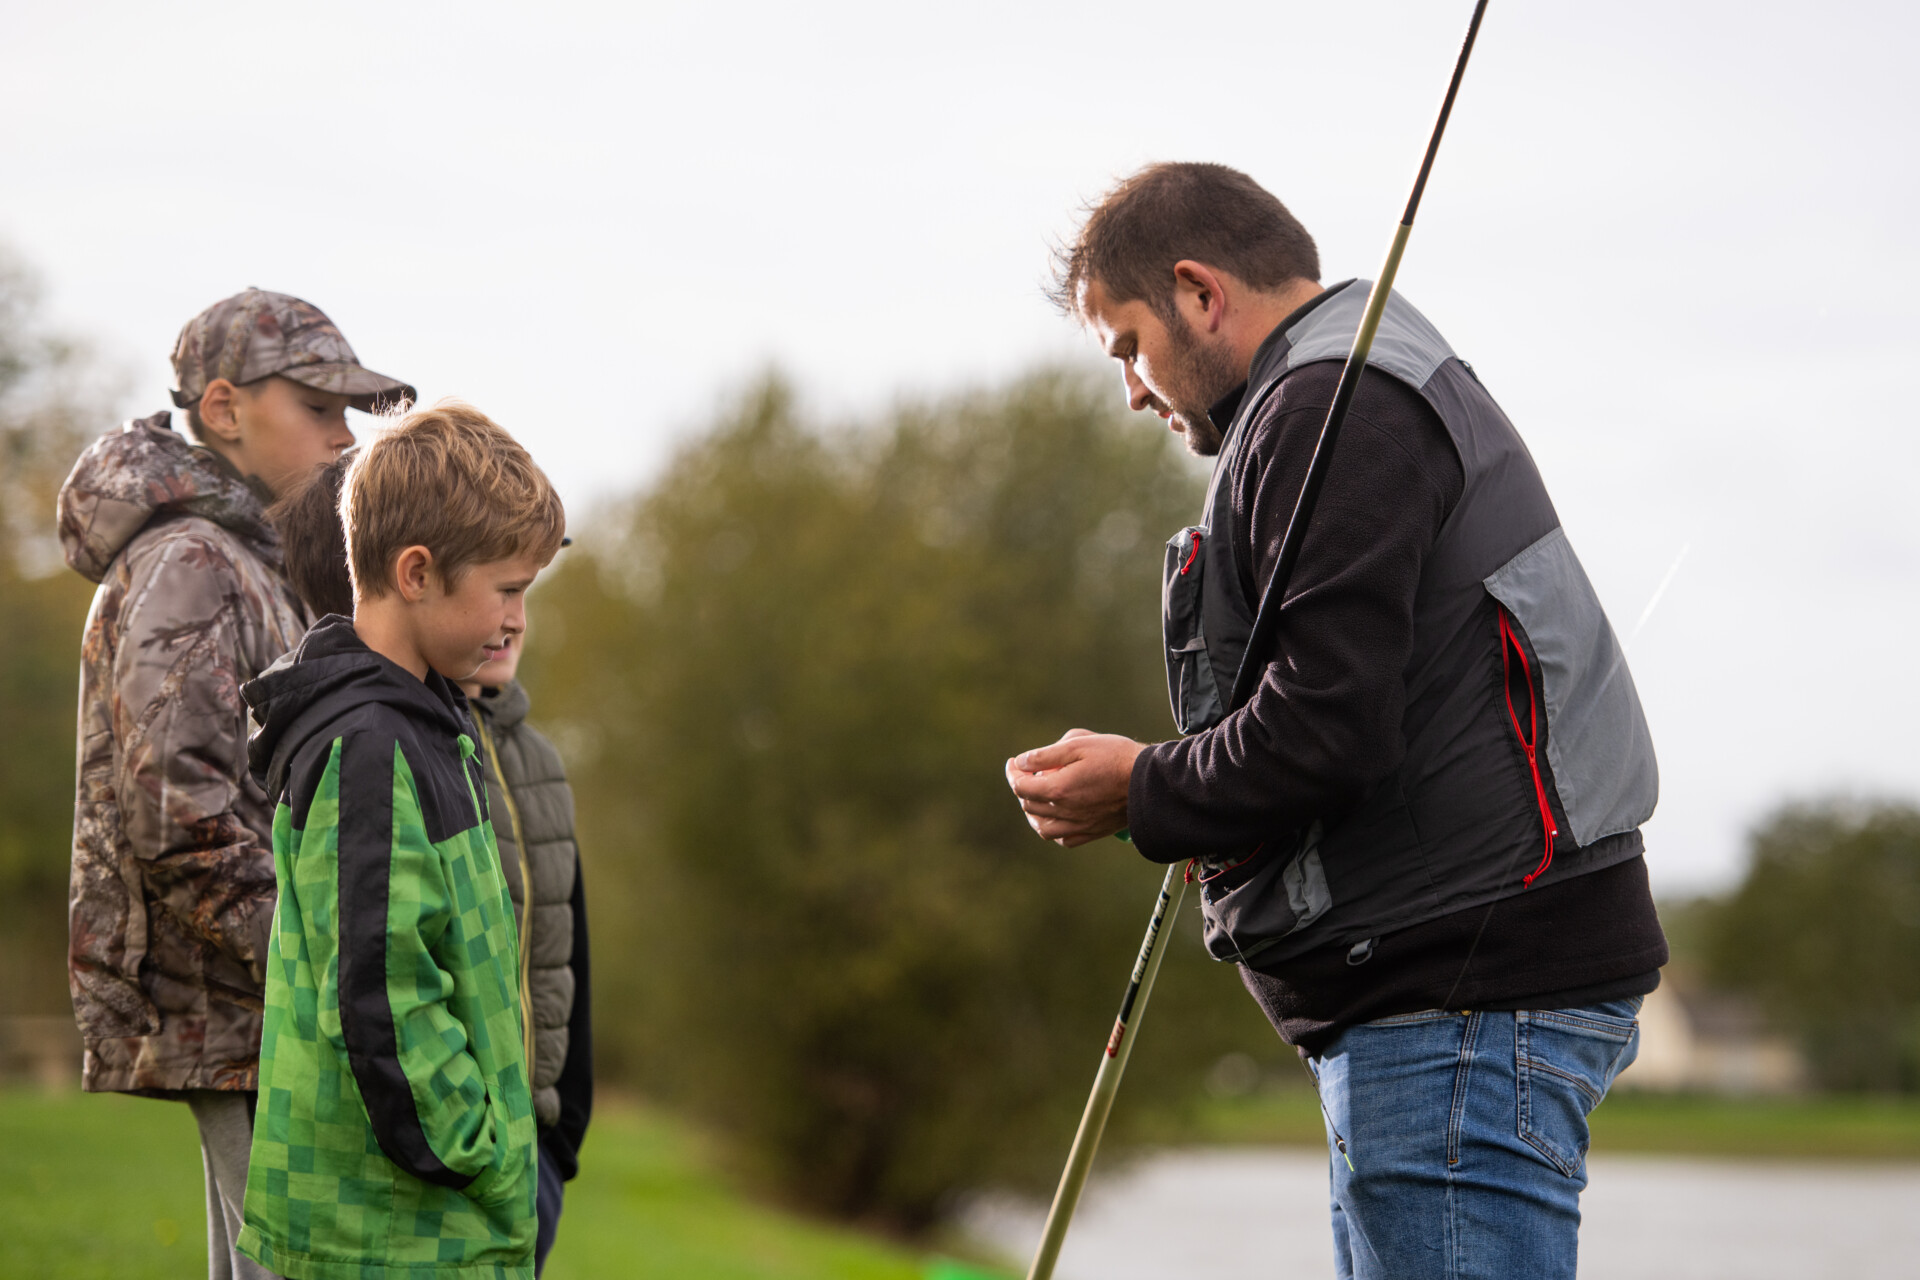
(276, 429)
(479, 620)
(497, 672)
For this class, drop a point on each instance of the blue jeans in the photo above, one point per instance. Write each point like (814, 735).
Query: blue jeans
(1467, 1134)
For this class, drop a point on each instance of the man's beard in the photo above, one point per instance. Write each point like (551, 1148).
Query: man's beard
(1202, 437)
(1202, 374)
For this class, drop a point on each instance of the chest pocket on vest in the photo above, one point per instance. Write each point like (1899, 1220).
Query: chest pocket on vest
(1197, 703)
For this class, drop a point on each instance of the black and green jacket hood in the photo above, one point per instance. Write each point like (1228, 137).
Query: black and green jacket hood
(330, 675)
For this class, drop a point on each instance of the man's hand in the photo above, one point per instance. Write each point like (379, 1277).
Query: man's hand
(1075, 790)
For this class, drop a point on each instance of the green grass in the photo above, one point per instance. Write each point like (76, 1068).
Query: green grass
(99, 1187)
(648, 1203)
(109, 1187)
(1825, 1128)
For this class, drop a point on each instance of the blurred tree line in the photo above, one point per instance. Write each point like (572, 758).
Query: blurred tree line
(1824, 933)
(785, 673)
(785, 677)
(54, 397)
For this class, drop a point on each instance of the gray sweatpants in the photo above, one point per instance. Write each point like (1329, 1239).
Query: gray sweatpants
(226, 1140)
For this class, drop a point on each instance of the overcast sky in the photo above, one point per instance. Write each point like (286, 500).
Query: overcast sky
(1672, 238)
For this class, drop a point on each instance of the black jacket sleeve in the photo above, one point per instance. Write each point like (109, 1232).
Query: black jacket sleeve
(575, 1084)
(1324, 724)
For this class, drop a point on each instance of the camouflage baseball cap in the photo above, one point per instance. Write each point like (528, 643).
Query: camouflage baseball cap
(255, 334)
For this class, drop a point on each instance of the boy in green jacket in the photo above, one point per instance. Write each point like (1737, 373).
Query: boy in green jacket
(395, 1132)
(532, 806)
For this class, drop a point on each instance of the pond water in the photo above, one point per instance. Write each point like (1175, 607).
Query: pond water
(1255, 1214)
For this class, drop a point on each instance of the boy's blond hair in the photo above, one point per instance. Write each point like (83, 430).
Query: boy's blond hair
(450, 479)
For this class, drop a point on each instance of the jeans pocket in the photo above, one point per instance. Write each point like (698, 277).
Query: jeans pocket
(1564, 1062)
(1414, 1019)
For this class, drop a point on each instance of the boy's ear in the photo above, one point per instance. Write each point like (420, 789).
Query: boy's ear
(413, 573)
(217, 415)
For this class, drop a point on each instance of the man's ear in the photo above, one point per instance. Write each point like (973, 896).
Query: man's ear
(1200, 294)
(217, 411)
(413, 573)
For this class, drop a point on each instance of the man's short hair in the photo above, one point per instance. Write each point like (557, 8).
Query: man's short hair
(450, 479)
(312, 541)
(1170, 212)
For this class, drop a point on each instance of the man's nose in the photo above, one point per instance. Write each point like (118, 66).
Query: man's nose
(1138, 397)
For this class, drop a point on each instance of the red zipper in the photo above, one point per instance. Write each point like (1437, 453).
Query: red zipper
(1509, 646)
(1218, 872)
(1191, 555)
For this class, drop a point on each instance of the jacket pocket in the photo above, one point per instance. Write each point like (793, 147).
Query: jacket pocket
(498, 1183)
(1565, 1060)
(1248, 905)
(1597, 740)
(1523, 716)
(1195, 695)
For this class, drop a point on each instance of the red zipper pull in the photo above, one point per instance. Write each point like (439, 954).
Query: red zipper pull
(1191, 555)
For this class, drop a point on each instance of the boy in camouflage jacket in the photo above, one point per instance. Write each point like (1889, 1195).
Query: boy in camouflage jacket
(172, 881)
(396, 1130)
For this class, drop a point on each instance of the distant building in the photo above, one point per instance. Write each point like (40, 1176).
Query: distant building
(1708, 1042)
(44, 1050)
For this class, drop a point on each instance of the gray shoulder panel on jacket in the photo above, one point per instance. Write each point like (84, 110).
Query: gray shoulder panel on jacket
(1406, 344)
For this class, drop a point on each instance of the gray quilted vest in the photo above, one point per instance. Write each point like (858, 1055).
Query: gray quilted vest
(532, 810)
(1528, 759)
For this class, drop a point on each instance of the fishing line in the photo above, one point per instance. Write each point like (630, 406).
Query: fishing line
(1654, 601)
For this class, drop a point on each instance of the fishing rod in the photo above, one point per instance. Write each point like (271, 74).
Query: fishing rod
(1106, 1083)
(1266, 622)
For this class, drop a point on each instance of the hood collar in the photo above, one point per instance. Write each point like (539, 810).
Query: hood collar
(331, 673)
(146, 471)
(503, 708)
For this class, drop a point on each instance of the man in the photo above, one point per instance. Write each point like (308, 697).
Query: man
(1419, 836)
(173, 889)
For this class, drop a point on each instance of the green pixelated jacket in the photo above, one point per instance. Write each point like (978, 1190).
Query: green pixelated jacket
(394, 1137)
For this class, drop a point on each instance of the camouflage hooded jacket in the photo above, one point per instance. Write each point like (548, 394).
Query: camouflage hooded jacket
(172, 894)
